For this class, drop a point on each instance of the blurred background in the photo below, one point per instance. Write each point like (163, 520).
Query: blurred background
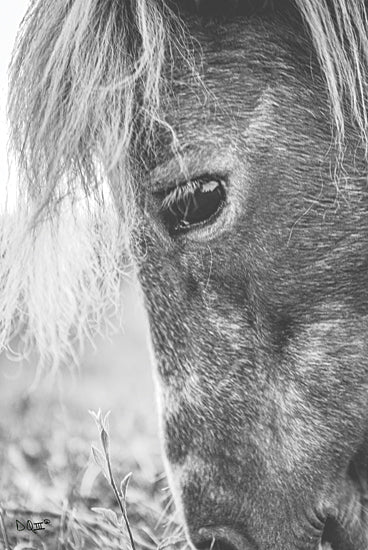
(46, 431)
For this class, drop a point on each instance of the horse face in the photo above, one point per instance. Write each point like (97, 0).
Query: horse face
(253, 270)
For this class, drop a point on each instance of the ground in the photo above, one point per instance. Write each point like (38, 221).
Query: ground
(47, 471)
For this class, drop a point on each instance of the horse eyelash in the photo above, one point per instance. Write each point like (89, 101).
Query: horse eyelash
(180, 193)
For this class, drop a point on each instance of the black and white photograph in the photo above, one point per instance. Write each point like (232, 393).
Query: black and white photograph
(184, 275)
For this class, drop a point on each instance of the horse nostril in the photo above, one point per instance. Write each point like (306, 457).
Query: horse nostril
(215, 545)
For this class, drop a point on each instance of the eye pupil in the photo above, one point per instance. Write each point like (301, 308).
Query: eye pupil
(192, 204)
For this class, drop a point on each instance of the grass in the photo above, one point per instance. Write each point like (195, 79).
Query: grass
(49, 472)
(47, 476)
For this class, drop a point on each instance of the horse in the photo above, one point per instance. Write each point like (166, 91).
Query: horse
(221, 148)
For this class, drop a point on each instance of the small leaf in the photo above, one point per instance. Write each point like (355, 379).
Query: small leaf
(96, 417)
(124, 486)
(108, 515)
(89, 477)
(105, 441)
(105, 421)
(101, 462)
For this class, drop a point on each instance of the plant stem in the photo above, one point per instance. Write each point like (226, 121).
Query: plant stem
(3, 530)
(121, 505)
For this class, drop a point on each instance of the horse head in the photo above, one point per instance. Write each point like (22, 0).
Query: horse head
(235, 134)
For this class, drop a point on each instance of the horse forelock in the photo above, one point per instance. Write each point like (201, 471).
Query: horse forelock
(76, 73)
(88, 81)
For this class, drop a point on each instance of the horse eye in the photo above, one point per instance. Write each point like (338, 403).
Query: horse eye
(193, 204)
